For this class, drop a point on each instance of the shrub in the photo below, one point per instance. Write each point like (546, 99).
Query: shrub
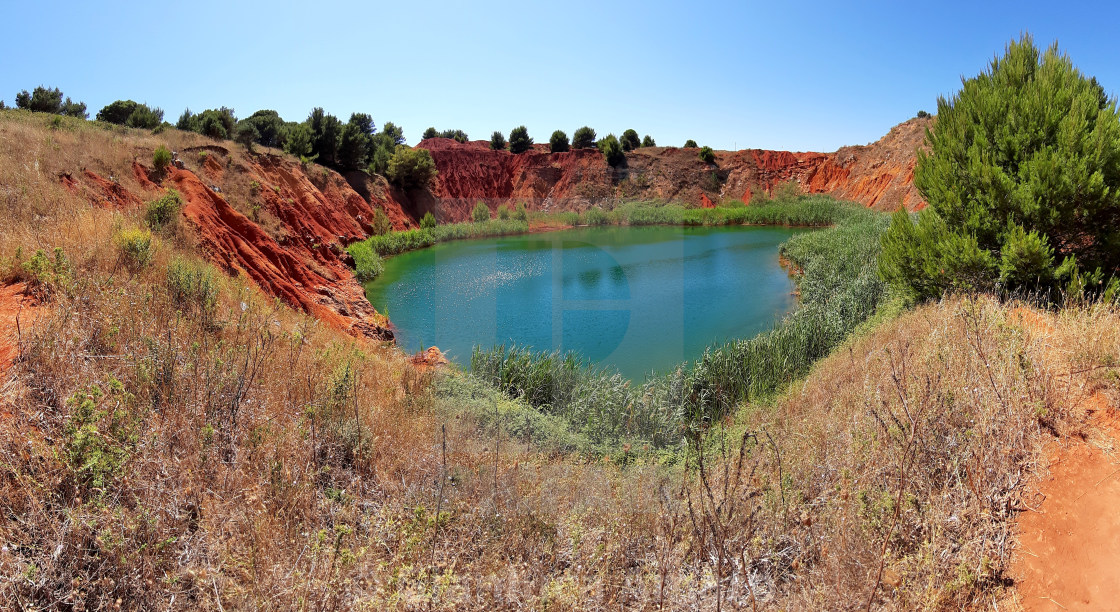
(497, 141)
(410, 168)
(117, 112)
(270, 127)
(612, 150)
(690, 144)
(1004, 171)
(707, 155)
(1026, 260)
(596, 216)
(504, 213)
(135, 247)
(326, 130)
(630, 140)
(188, 122)
(45, 100)
(480, 213)
(428, 221)
(584, 138)
(368, 265)
(456, 135)
(94, 456)
(297, 140)
(430, 133)
(247, 134)
(521, 213)
(648, 142)
(923, 114)
(161, 158)
(558, 143)
(163, 212)
(192, 287)
(381, 223)
(144, 117)
(46, 272)
(519, 141)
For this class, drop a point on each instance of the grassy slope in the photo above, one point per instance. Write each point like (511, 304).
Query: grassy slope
(246, 457)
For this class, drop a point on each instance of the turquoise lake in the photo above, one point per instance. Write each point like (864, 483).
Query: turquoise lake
(642, 299)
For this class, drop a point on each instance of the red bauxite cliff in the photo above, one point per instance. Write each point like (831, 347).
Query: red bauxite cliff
(879, 175)
(285, 225)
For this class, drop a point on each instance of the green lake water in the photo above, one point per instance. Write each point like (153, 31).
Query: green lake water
(642, 299)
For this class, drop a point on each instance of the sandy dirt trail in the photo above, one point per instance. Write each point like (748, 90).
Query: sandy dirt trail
(1069, 544)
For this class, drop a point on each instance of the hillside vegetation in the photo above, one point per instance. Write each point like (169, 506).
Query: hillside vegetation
(202, 411)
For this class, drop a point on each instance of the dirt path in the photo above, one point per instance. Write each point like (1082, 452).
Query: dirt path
(1069, 545)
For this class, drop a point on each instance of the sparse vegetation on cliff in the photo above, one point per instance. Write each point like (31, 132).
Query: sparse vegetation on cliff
(519, 141)
(611, 150)
(558, 143)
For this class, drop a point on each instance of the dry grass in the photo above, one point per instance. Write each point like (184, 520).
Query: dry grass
(252, 459)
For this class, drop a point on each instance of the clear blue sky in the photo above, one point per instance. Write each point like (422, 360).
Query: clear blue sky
(803, 75)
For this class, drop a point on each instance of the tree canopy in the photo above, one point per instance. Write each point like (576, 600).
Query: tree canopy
(1022, 180)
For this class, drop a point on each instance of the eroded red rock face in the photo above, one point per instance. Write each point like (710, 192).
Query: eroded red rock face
(300, 257)
(879, 175)
(294, 248)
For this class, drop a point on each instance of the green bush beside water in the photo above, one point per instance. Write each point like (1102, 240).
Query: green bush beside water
(804, 211)
(368, 253)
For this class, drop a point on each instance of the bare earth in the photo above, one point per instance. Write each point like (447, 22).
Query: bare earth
(1069, 545)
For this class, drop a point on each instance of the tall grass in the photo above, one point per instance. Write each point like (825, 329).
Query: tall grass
(839, 290)
(368, 253)
(802, 211)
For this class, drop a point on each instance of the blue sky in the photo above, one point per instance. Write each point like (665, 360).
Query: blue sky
(800, 75)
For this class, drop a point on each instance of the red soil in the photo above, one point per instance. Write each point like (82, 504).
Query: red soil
(18, 311)
(109, 194)
(879, 175)
(1069, 546)
(143, 176)
(306, 271)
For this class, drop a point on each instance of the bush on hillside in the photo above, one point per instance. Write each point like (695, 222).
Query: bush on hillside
(381, 223)
(430, 133)
(456, 135)
(521, 213)
(519, 141)
(497, 141)
(269, 125)
(247, 134)
(690, 144)
(410, 168)
(612, 150)
(1021, 194)
(559, 142)
(297, 140)
(46, 100)
(161, 158)
(117, 112)
(480, 213)
(923, 114)
(630, 140)
(134, 247)
(504, 213)
(163, 212)
(584, 138)
(647, 141)
(707, 155)
(428, 221)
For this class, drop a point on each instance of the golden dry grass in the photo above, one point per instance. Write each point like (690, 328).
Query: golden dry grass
(252, 459)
